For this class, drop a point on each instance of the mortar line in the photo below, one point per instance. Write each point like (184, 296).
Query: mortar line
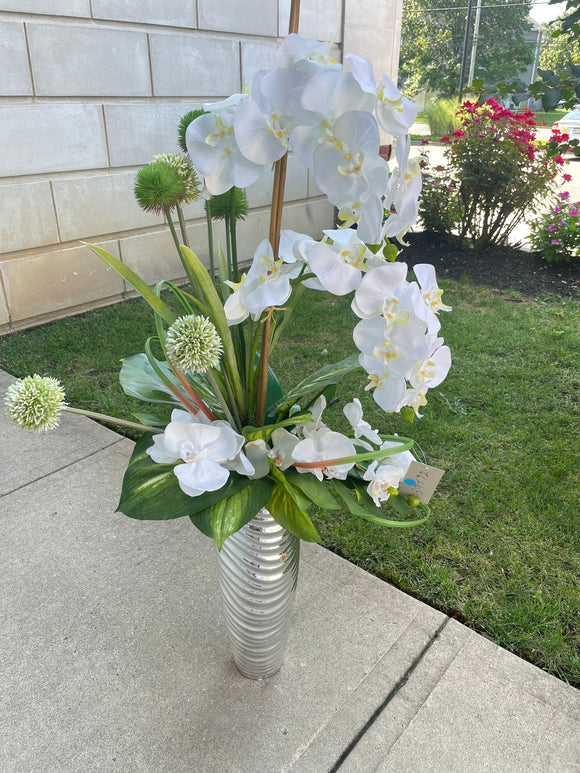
(64, 467)
(27, 44)
(395, 690)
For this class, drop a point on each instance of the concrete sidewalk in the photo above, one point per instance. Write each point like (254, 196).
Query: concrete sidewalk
(115, 655)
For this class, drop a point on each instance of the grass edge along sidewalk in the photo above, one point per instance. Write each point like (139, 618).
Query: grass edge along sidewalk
(501, 550)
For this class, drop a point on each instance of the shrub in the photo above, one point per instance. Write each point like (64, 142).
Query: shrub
(557, 234)
(441, 116)
(500, 173)
(440, 207)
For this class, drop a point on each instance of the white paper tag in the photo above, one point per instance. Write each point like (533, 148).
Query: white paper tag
(420, 481)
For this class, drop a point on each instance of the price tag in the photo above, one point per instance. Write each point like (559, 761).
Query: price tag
(420, 481)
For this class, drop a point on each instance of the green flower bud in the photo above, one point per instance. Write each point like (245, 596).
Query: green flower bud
(35, 402)
(159, 187)
(413, 501)
(184, 168)
(193, 343)
(184, 123)
(221, 205)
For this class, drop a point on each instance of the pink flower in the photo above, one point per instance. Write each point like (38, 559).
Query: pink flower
(564, 194)
(424, 141)
(559, 160)
(554, 241)
(567, 177)
(574, 212)
(458, 133)
(551, 228)
(557, 210)
(444, 139)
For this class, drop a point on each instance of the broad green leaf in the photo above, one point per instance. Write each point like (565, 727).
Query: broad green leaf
(140, 380)
(313, 489)
(151, 491)
(160, 420)
(551, 99)
(287, 513)
(135, 281)
(227, 516)
(329, 374)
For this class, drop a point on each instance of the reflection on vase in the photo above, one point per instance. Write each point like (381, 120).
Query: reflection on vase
(258, 573)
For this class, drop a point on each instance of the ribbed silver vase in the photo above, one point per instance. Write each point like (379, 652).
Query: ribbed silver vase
(258, 573)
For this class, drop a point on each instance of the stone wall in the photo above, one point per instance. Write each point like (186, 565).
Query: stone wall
(90, 90)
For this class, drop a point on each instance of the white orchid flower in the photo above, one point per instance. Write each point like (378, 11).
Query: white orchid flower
(308, 428)
(301, 53)
(354, 413)
(377, 292)
(395, 113)
(404, 191)
(214, 151)
(257, 453)
(329, 94)
(337, 270)
(431, 294)
(283, 444)
(266, 284)
(383, 480)
(395, 348)
(263, 123)
(402, 459)
(434, 367)
(322, 448)
(204, 449)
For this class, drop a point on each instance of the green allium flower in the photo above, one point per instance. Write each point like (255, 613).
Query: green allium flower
(159, 187)
(35, 402)
(221, 205)
(193, 344)
(184, 168)
(184, 123)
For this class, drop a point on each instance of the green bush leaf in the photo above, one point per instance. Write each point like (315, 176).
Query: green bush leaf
(227, 516)
(551, 99)
(329, 374)
(151, 491)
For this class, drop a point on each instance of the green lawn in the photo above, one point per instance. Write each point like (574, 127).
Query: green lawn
(501, 550)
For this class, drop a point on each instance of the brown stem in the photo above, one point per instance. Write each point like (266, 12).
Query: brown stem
(274, 236)
(192, 393)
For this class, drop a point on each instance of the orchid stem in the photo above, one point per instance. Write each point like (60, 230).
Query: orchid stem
(182, 227)
(111, 419)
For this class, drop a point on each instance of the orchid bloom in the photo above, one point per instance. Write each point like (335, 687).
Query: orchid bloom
(301, 53)
(266, 284)
(431, 295)
(354, 413)
(338, 266)
(384, 480)
(321, 447)
(405, 189)
(204, 450)
(283, 444)
(214, 151)
(395, 113)
(378, 290)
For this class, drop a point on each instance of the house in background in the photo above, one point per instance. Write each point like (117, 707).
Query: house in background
(92, 89)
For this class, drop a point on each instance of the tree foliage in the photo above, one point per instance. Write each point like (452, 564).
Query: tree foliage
(432, 44)
(560, 52)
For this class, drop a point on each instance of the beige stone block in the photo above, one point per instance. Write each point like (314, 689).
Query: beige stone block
(28, 217)
(195, 210)
(51, 138)
(374, 43)
(76, 61)
(152, 256)
(318, 20)
(183, 65)
(177, 13)
(256, 18)
(370, 13)
(260, 193)
(55, 281)
(137, 132)
(255, 56)
(4, 318)
(101, 204)
(313, 189)
(15, 79)
(80, 8)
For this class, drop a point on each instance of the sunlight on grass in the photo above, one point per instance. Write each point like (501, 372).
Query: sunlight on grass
(501, 550)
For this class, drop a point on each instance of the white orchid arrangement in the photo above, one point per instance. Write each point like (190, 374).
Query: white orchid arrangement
(231, 441)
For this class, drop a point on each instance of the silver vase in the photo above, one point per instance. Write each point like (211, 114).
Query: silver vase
(258, 573)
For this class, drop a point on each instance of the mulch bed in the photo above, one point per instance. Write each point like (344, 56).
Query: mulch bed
(505, 268)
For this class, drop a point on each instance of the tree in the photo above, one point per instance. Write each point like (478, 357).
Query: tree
(558, 53)
(432, 44)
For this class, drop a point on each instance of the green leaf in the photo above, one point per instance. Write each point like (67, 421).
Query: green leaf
(135, 281)
(286, 512)
(313, 489)
(549, 77)
(140, 380)
(151, 491)
(227, 516)
(358, 502)
(551, 99)
(154, 419)
(327, 375)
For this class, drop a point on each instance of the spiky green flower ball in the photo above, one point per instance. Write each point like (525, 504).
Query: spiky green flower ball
(193, 343)
(184, 168)
(159, 187)
(35, 402)
(184, 122)
(224, 203)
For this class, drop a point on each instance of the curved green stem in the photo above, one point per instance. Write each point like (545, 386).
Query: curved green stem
(111, 419)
